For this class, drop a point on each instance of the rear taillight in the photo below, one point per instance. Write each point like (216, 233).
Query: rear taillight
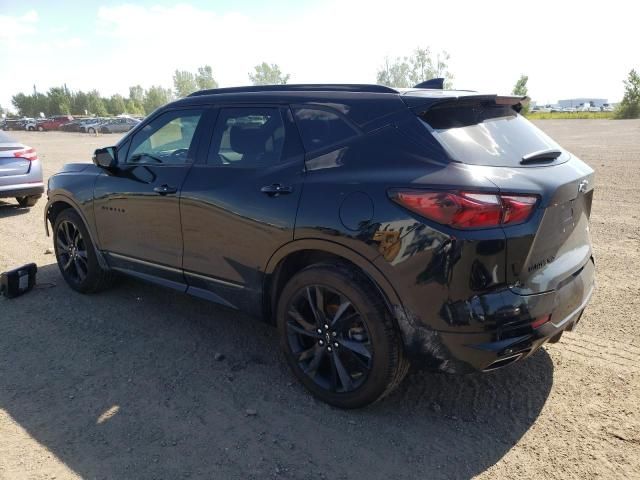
(26, 153)
(468, 209)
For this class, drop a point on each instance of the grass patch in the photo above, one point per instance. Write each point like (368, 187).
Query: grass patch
(569, 115)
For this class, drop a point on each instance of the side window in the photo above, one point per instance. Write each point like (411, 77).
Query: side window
(166, 139)
(247, 137)
(322, 128)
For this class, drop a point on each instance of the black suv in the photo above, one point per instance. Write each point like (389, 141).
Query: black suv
(375, 227)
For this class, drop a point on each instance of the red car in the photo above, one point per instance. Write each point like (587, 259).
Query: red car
(54, 123)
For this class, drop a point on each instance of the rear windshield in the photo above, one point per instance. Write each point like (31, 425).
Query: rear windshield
(484, 134)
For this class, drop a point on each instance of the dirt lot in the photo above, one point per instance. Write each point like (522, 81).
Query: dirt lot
(125, 384)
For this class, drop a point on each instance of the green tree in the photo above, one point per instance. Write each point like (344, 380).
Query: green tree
(155, 97)
(79, 103)
(629, 107)
(184, 83)
(59, 101)
(133, 108)
(395, 73)
(95, 104)
(521, 90)
(204, 78)
(405, 72)
(265, 74)
(116, 105)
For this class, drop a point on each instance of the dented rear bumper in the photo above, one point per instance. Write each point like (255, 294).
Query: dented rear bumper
(496, 329)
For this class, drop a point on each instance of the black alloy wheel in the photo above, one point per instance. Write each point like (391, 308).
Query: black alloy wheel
(338, 336)
(76, 255)
(330, 341)
(72, 251)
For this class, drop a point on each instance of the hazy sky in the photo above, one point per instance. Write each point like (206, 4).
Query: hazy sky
(568, 49)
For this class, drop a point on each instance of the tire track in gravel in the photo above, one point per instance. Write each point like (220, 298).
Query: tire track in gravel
(608, 352)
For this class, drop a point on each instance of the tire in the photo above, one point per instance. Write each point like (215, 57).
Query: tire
(28, 201)
(81, 271)
(359, 358)
(40, 128)
(92, 131)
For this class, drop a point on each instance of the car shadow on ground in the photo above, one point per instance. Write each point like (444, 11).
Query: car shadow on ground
(127, 384)
(11, 209)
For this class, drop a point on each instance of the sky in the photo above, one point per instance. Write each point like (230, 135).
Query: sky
(568, 49)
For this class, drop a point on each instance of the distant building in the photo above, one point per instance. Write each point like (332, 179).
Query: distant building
(578, 102)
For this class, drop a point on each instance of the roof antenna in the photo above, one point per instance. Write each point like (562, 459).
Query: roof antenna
(434, 83)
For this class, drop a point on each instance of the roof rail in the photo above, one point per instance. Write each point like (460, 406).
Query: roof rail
(435, 83)
(318, 87)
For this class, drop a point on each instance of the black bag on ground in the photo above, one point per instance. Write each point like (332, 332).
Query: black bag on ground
(18, 281)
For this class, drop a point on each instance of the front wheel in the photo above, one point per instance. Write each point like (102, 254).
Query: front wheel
(91, 131)
(338, 336)
(40, 128)
(76, 255)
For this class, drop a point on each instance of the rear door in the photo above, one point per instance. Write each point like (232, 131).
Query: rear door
(239, 206)
(517, 157)
(137, 207)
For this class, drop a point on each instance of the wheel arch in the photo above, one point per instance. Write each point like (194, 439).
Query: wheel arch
(294, 256)
(58, 203)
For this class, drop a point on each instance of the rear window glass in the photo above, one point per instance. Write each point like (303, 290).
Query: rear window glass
(322, 128)
(487, 134)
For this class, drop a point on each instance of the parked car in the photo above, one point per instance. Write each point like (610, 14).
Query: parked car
(555, 109)
(118, 125)
(20, 172)
(569, 109)
(76, 124)
(54, 123)
(375, 227)
(93, 125)
(606, 108)
(15, 123)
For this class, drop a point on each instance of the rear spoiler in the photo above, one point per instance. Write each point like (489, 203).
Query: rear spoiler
(421, 103)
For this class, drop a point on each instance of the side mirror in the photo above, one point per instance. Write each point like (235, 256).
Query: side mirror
(105, 158)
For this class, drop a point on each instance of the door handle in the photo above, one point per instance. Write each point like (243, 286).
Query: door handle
(165, 189)
(276, 189)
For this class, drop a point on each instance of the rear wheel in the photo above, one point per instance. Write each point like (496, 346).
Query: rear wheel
(28, 201)
(338, 337)
(76, 255)
(91, 130)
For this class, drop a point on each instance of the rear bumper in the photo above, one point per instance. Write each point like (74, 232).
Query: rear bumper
(22, 190)
(508, 335)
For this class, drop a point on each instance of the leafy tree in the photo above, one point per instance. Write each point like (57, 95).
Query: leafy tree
(184, 83)
(629, 107)
(404, 72)
(133, 108)
(204, 78)
(395, 73)
(155, 97)
(136, 97)
(95, 104)
(116, 105)
(266, 74)
(520, 89)
(59, 101)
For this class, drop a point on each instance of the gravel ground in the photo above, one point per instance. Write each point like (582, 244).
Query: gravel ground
(127, 384)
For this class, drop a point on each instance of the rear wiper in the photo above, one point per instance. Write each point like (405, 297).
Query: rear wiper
(541, 156)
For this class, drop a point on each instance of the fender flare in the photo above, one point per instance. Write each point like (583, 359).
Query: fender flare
(61, 197)
(387, 290)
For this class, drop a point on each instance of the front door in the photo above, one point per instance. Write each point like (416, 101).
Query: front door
(240, 205)
(137, 206)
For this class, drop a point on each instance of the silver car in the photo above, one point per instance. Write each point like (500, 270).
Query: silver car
(119, 125)
(20, 172)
